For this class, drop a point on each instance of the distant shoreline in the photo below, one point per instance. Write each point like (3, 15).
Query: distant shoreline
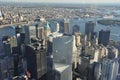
(109, 22)
(56, 4)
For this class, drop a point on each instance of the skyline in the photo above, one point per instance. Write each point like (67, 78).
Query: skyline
(65, 1)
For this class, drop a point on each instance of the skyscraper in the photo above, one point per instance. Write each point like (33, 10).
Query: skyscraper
(41, 34)
(3, 70)
(89, 29)
(75, 25)
(7, 67)
(63, 47)
(109, 69)
(36, 61)
(104, 37)
(57, 27)
(66, 26)
(7, 48)
(18, 29)
(62, 72)
(47, 29)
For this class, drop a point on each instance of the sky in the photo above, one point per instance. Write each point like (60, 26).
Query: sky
(65, 1)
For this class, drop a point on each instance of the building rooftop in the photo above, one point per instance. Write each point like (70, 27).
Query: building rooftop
(60, 67)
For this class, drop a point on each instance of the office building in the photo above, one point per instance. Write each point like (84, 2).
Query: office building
(103, 52)
(109, 69)
(36, 61)
(104, 37)
(18, 29)
(97, 70)
(74, 25)
(57, 27)
(36, 29)
(118, 77)
(90, 72)
(47, 29)
(7, 48)
(112, 52)
(26, 30)
(66, 26)
(3, 70)
(64, 47)
(6, 68)
(10, 44)
(50, 49)
(41, 34)
(89, 29)
(32, 31)
(78, 39)
(61, 72)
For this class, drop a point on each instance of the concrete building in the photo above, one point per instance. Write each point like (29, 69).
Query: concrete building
(6, 68)
(47, 29)
(61, 72)
(37, 67)
(74, 25)
(3, 70)
(66, 26)
(104, 37)
(78, 39)
(103, 52)
(63, 47)
(32, 31)
(112, 52)
(97, 71)
(50, 49)
(57, 27)
(109, 69)
(89, 29)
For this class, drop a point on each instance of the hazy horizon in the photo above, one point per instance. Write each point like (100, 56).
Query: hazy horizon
(66, 1)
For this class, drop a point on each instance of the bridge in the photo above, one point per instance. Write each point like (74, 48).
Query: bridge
(15, 24)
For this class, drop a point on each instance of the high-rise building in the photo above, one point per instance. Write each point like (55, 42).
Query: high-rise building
(36, 28)
(36, 61)
(18, 29)
(74, 25)
(13, 42)
(50, 49)
(7, 48)
(112, 52)
(32, 31)
(49, 56)
(109, 69)
(66, 26)
(97, 70)
(6, 68)
(57, 27)
(61, 72)
(90, 72)
(1, 15)
(63, 47)
(41, 34)
(3, 70)
(104, 37)
(78, 39)
(103, 52)
(89, 29)
(47, 29)
(27, 34)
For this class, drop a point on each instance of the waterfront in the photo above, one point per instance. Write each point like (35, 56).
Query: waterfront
(114, 35)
